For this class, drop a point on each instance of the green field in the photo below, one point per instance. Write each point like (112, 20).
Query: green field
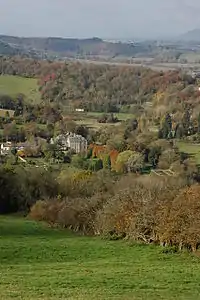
(40, 263)
(13, 85)
(120, 116)
(94, 124)
(192, 149)
(90, 119)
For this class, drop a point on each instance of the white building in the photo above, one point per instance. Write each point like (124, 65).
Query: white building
(79, 110)
(5, 148)
(71, 141)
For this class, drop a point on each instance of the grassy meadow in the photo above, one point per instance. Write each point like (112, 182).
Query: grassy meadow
(90, 119)
(6, 112)
(191, 149)
(13, 85)
(120, 116)
(37, 262)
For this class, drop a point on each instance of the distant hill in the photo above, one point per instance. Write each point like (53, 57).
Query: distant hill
(66, 47)
(192, 35)
(6, 49)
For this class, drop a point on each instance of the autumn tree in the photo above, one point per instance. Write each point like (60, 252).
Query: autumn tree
(135, 163)
(122, 160)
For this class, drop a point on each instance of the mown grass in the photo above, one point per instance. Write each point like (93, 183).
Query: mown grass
(13, 85)
(120, 116)
(92, 123)
(40, 263)
(90, 119)
(192, 149)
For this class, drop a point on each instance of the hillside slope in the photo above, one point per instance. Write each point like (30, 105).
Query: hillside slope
(15, 85)
(40, 263)
(192, 35)
(6, 49)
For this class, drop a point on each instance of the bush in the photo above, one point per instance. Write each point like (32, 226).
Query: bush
(80, 162)
(74, 214)
(145, 209)
(95, 164)
(167, 158)
(183, 221)
(46, 211)
(38, 211)
(22, 187)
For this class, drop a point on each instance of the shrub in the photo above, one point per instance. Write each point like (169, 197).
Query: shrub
(75, 214)
(95, 164)
(79, 162)
(167, 158)
(38, 211)
(22, 187)
(183, 221)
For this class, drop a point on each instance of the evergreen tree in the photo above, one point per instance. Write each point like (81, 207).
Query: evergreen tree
(198, 121)
(166, 126)
(186, 121)
(179, 131)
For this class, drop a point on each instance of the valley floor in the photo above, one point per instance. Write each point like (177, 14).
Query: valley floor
(40, 263)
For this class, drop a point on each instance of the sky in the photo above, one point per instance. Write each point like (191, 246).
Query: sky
(99, 18)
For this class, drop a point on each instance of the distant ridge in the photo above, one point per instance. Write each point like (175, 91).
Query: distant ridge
(6, 49)
(66, 47)
(192, 35)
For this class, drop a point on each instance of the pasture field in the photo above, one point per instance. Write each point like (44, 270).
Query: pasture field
(93, 123)
(37, 262)
(192, 57)
(120, 116)
(6, 113)
(90, 119)
(13, 85)
(191, 149)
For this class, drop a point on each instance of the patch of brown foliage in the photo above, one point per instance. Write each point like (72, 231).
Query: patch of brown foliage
(144, 208)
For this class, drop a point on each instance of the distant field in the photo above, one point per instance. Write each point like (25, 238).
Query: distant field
(37, 262)
(92, 123)
(6, 112)
(120, 116)
(192, 149)
(12, 85)
(90, 119)
(191, 57)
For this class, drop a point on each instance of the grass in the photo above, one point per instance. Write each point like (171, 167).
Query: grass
(120, 116)
(6, 113)
(90, 119)
(191, 149)
(13, 85)
(191, 57)
(37, 262)
(92, 123)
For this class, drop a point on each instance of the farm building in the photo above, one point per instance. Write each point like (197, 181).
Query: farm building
(70, 141)
(80, 110)
(6, 148)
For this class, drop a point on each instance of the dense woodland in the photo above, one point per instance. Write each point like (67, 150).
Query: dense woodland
(114, 189)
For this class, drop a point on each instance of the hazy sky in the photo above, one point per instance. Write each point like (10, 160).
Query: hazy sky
(102, 18)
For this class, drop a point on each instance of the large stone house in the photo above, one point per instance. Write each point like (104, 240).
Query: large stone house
(70, 141)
